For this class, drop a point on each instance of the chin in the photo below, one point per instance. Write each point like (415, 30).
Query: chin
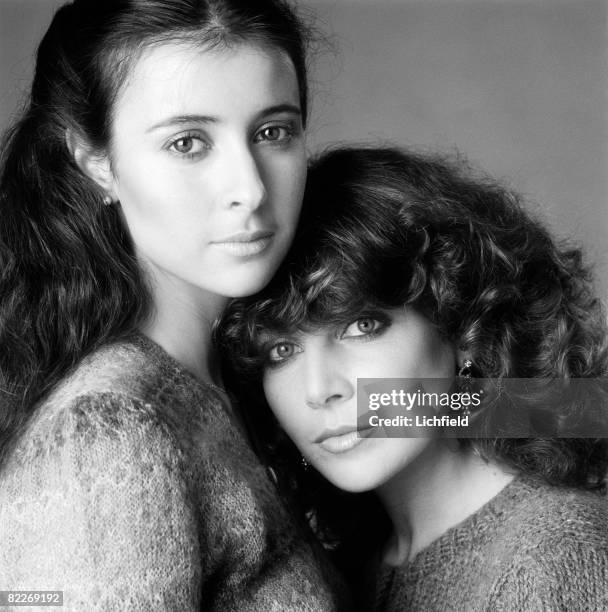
(246, 287)
(249, 279)
(353, 483)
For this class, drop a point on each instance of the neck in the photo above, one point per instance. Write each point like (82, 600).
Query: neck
(182, 321)
(440, 489)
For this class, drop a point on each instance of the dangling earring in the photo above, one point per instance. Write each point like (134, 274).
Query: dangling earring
(466, 371)
(466, 374)
(107, 200)
(304, 463)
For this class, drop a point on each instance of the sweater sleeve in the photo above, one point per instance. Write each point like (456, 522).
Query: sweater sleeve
(95, 503)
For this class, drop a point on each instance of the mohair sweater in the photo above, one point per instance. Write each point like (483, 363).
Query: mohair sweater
(133, 488)
(533, 547)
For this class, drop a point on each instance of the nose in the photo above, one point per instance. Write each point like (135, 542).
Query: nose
(244, 186)
(326, 379)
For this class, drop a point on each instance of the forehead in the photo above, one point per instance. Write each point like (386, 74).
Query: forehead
(178, 78)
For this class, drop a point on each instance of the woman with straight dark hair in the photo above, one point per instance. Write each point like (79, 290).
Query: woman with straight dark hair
(157, 171)
(405, 267)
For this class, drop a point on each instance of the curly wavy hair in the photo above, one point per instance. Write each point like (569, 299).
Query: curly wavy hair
(69, 278)
(384, 228)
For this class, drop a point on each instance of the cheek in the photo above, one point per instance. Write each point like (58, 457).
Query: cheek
(442, 357)
(159, 224)
(143, 197)
(163, 206)
(298, 170)
(286, 178)
(285, 401)
(427, 355)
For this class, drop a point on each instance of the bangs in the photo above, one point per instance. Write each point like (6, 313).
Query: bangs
(330, 291)
(329, 298)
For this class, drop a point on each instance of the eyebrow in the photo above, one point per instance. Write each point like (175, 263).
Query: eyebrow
(206, 119)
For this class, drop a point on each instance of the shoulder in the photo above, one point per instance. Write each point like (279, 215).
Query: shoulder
(128, 367)
(559, 551)
(97, 495)
(548, 515)
(90, 438)
(125, 390)
(109, 399)
(113, 409)
(100, 484)
(125, 418)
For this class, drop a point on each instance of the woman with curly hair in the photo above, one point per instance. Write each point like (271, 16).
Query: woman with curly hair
(408, 267)
(157, 171)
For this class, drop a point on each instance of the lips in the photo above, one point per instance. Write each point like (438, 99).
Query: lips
(244, 244)
(245, 237)
(341, 439)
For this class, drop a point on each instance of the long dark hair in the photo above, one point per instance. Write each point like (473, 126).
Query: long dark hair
(383, 228)
(69, 280)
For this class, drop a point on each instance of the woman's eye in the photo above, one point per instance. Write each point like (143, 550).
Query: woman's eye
(281, 351)
(273, 133)
(362, 327)
(187, 146)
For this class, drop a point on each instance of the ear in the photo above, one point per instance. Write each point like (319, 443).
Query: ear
(94, 164)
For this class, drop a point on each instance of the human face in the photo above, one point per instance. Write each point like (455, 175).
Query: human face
(311, 382)
(208, 163)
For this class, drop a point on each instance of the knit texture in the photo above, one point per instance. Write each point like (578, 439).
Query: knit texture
(533, 547)
(133, 488)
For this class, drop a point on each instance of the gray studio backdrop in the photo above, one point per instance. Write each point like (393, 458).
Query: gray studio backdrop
(518, 86)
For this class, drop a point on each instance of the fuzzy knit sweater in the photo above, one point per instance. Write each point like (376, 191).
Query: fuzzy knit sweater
(532, 548)
(133, 488)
